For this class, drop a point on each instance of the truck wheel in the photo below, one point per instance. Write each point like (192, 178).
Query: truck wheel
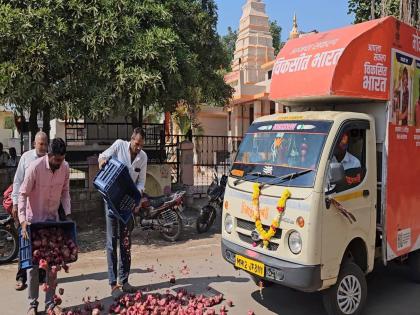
(414, 263)
(348, 295)
(265, 283)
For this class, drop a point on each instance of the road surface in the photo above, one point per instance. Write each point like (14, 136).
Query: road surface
(154, 261)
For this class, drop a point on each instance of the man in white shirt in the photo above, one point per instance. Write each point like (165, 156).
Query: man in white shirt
(349, 162)
(341, 155)
(41, 144)
(131, 154)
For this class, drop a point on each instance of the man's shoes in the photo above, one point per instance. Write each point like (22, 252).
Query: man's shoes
(20, 285)
(128, 288)
(32, 311)
(54, 310)
(116, 292)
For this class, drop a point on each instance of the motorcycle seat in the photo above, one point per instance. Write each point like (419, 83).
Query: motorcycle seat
(5, 218)
(157, 202)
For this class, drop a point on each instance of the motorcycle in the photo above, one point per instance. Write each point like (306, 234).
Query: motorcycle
(208, 213)
(9, 240)
(163, 214)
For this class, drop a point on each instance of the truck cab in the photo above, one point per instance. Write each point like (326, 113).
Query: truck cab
(331, 213)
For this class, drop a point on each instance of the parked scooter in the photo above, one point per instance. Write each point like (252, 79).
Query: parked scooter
(163, 214)
(9, 240)
(208, 213)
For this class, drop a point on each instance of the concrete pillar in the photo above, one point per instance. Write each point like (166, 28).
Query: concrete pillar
(258, 109)
(279, 108)
(245, 118)
(237, 116)
(187, 170)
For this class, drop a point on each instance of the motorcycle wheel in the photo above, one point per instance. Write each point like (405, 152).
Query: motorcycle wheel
(176, 228)
(206, 219)
(9, 245)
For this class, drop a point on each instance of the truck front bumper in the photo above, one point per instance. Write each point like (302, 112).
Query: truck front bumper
(299, 277)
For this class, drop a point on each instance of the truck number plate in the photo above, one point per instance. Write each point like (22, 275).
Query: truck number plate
(249, 265)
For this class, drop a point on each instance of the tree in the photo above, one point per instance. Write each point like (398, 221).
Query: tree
(229, 45)
(31, 62)
(97, 58)
(275, 31)
(9, 123)
(405, 10)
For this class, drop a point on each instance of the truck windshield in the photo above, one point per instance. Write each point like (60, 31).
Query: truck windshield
(279, 148)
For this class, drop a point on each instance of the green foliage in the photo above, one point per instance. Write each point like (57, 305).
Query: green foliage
(229, 44)
(9, 123)
(185, 116)
(97, 58)
(275, 31)
(362, 9)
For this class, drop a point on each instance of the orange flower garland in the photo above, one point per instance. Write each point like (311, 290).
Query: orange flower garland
(281, 204)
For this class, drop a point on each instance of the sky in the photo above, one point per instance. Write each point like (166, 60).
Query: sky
(321, 15)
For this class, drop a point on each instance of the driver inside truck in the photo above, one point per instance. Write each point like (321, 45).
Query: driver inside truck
(351, 164)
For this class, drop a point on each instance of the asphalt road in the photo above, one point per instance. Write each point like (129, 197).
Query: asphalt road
(154, 261)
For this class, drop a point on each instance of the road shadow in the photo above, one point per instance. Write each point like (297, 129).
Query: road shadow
(195, 285)
(390, 291)
(97, 276)
(282, 300)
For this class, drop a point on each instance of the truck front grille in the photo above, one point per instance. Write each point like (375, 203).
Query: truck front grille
(250, 226)
(248, 239)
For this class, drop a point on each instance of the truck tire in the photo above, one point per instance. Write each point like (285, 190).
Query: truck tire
(348, 295)
(414, 263)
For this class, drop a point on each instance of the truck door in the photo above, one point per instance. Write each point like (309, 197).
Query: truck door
(355, 197)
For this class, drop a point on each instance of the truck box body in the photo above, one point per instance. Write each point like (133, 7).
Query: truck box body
(373, 68)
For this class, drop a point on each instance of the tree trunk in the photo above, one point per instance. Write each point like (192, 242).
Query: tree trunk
(401, 10)
(46, 117)
(372, 9)
(33, 121)
(384, 8)
(141, 116)
(134, 120)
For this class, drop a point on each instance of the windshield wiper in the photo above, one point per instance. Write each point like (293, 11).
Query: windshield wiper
(257, 174)
(286, 177)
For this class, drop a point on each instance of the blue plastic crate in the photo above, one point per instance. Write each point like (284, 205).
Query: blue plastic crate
(114, 182)
(25, 245)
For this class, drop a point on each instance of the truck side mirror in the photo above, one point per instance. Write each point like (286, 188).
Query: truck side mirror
(336, 173)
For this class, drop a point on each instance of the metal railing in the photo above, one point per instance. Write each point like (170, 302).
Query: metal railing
(212, 154)
(106, 133)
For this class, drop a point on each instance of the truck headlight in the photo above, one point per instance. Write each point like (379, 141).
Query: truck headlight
(228, 223)
(295, 242)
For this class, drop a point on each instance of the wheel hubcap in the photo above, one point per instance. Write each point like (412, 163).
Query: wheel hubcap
(349, 294)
